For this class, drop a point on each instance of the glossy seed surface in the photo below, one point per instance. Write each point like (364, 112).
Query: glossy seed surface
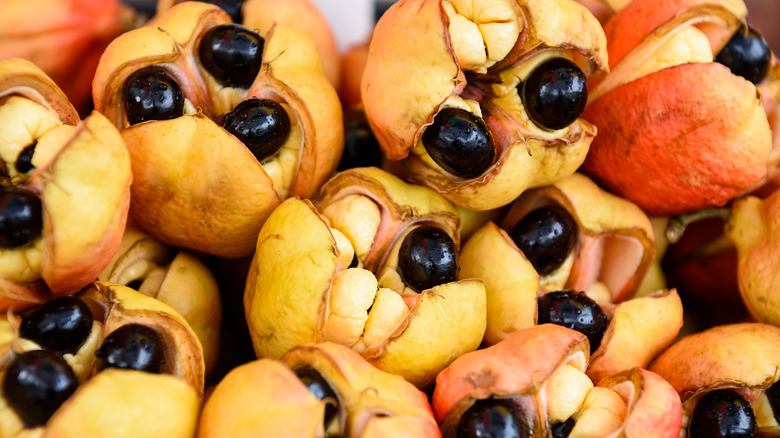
(427, 258)
(21, 217)
(747, 54)
(555, 93)
(232, 54)
(722, 413)
(152, 94)
(36, 383)
(576, 311)
(320, 388)
(61, 324)
(546, 236)
(460, 143)
(493, 418)
(261, 124)
(132, 346)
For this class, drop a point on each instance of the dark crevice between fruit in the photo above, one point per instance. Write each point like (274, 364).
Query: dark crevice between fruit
(361, 148)
(232, 7)
(24, 160)
(427, 258)
(563, 429)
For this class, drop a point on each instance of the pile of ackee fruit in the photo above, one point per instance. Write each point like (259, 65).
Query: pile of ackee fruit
(497, 218)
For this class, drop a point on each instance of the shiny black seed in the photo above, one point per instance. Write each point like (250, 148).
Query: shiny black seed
(261, 124)
(562, 430)
(494, 418)
(722, 413)
(320, 388)
(576, 311)
(774, 399)
(21, 217)
(546, 236)
(132, 346)
(24, 160)
(232, 7)
(152, 94)
(427, 258)
(36, 384)
(555, 93)
(747, 54)
(361, 148)
(60, 324)
(460, 143)
(232, 54)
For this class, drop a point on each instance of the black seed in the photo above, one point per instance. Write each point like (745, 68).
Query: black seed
(261, 124)
(546, 236)
(21, 217)
(562, 430)
(747, 54)
(493, 418)
(36, 383)
(576, 311)
(555, 93)
(61, 324)
(232, 54)
(361, 148)
(320, 388)
(24, 160)
(151, 94)
(427, 258)
(460, 143)
(132, 346)
(722, 413)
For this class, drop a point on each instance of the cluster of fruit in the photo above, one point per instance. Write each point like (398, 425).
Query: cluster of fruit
(461, 228)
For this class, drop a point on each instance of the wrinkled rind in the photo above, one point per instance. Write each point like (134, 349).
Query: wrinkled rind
(753, 229)
(745, 354)
(183, 351)
(258, 399)
(403, 203)
(223, 209)
(511, 282)
(289, 279)
(22, 77)
(659, 129)
(85, 192)
(127, 403)
(638, 330)
(367, 392)
(298, 77)
(654, 408)
(504, 369)
(446, 322)
(597, 213)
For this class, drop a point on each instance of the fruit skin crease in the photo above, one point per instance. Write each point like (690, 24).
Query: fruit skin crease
(399, 114)
(197, 186)
(84, 189)
(288, 286)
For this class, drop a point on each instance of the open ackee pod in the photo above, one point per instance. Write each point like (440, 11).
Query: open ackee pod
(695, 134)
(730, 367)
(197, 185)
(477, 69)
(70, 180)
(303, 15)
(534, 384)
(165, 400)
(316, 390)
(340, 281)
(175, 278)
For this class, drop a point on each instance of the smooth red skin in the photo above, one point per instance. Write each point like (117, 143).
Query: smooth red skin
(666, 141)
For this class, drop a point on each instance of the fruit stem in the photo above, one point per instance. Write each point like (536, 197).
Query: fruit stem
(678, 224)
